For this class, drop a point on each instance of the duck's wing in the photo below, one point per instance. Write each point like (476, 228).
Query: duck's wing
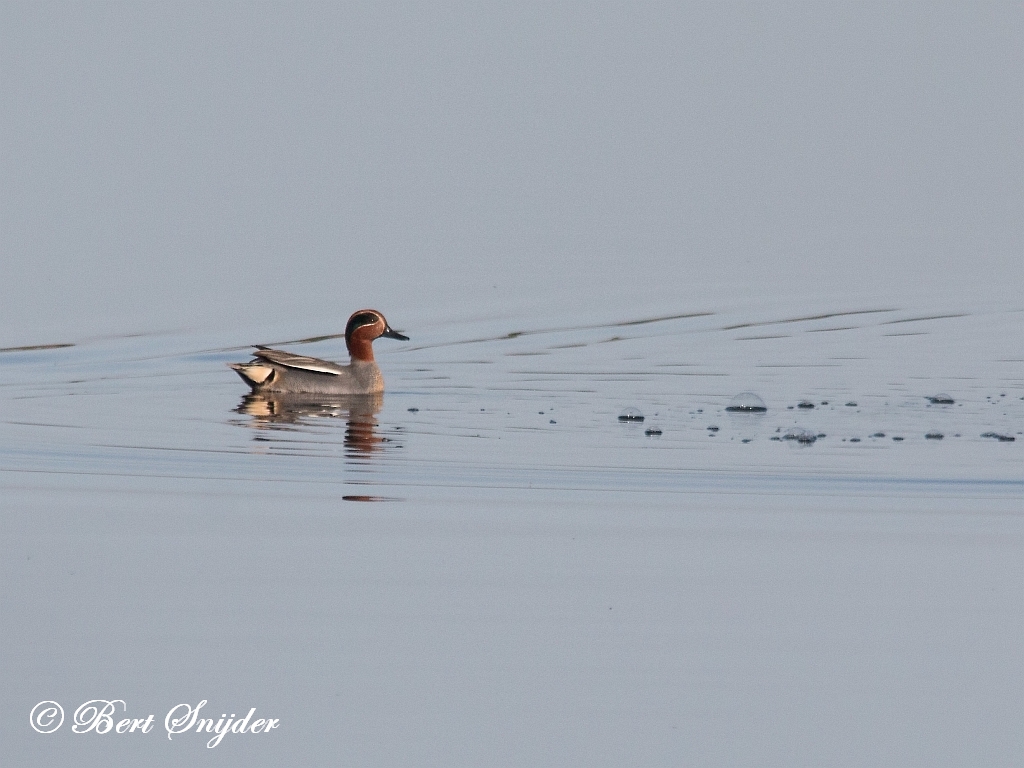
(289, 360)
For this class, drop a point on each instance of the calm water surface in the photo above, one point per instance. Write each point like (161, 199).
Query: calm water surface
(514, 406)
(485, 566)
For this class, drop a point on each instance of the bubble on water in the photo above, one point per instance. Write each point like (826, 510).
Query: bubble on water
(631, 414)
(746, 402)
(800, 435)
(941, 399)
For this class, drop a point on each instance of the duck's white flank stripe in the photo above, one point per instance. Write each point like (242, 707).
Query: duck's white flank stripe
(310, 367)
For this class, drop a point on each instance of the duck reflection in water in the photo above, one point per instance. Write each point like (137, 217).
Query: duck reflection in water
(292, 413)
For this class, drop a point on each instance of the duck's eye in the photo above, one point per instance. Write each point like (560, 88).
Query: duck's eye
(357, 321)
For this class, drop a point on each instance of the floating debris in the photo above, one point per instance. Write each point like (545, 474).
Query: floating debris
(941, 399)
(651, 431)
(999, 437)
(746, 402)
(631, 414)
(934, 436)
(807, 404)
(802, 436)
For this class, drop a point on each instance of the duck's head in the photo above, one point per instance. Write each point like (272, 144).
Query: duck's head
(363, 327)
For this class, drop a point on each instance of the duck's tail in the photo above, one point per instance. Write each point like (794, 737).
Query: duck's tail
(256, 375)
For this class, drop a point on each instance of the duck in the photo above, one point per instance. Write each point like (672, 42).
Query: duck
(279, 372)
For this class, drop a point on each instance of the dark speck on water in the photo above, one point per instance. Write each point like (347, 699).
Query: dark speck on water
(941, 399)
(805, 404)
(933, 436)
(652, 431)
(802, 436)
(851, 404)
(879, 434)
(999, 437)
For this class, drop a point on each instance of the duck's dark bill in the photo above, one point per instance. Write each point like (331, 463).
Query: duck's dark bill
(388, 333)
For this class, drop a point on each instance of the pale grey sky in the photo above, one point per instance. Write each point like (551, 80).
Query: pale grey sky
(197, 163)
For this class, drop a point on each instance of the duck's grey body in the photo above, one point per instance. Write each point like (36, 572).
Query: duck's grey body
(278, 372)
